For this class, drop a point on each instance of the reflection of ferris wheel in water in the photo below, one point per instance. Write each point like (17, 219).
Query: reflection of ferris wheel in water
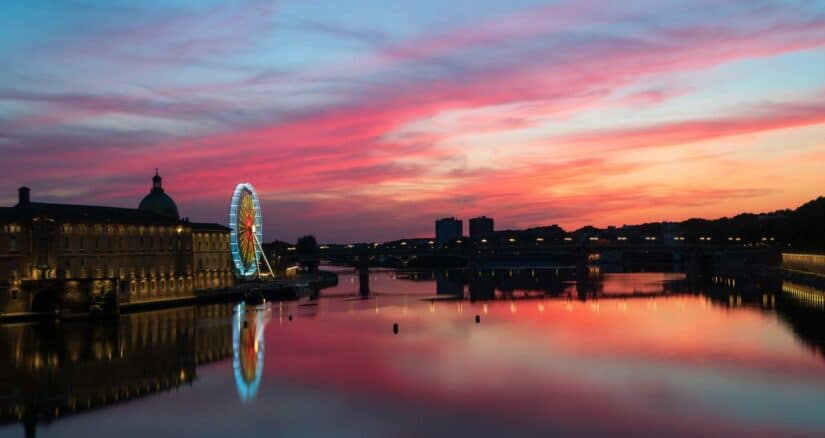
(248, 350)
(246, 231)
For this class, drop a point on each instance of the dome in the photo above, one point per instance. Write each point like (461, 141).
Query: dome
(157, 201)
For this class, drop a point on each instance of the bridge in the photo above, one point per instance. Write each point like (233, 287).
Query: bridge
(683, 254)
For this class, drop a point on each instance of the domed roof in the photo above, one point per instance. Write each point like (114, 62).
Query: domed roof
(157, 201)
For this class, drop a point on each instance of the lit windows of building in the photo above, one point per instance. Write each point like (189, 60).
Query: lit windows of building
(62, 255)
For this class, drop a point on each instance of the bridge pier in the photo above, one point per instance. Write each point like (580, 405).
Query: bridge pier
(363, 266)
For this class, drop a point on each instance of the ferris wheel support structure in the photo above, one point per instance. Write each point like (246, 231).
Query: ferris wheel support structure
(266, 260)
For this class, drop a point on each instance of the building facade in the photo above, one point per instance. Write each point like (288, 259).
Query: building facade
(211, 258)
(481, 228)
(811, 263)
(80, 251)
(447, 230)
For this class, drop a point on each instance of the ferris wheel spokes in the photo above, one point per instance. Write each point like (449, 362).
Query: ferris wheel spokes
(246, 232)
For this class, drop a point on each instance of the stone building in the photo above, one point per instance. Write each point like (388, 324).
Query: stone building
(81, 250)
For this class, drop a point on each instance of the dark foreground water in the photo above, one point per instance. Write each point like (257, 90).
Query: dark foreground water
(621, 355)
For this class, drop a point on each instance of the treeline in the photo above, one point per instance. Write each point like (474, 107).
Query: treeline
(802, 228)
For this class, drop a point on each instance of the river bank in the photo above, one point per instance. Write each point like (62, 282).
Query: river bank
(300, 285)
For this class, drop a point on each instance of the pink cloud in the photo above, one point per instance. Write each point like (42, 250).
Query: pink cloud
(767, 117)
(338, 160)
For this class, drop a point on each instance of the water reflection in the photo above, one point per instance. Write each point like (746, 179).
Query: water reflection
(512, 283)
(798, 302)
(248, 349)
(802, 308)
(645, 354)
(52, 370)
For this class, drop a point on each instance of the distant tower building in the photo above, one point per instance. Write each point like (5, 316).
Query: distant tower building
(447, 230)
(481, 228)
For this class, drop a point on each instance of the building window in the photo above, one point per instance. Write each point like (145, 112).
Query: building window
(66, 243)
(13, 243)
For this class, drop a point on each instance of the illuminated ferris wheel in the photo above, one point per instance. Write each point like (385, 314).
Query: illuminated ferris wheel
(246, 232)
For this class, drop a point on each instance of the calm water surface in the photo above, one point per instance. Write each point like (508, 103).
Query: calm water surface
(625, 355)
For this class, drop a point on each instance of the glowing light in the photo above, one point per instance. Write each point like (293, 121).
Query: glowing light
(247, 353)
(245, 230)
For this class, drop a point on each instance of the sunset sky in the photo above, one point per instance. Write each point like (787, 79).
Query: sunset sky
(367, 120)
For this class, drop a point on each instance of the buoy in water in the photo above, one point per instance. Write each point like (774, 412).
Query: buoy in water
(478, 319)
(395, 328)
